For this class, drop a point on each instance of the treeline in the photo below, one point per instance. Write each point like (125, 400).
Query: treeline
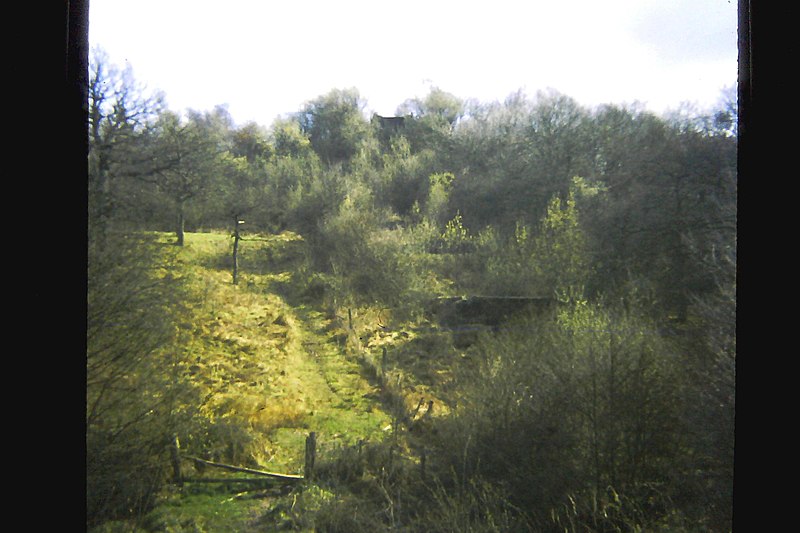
(658, 194)
(625, 217)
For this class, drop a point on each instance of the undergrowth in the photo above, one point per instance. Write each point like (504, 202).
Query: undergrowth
(408, 426)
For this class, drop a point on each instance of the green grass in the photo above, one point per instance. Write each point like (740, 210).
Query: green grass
(209, 510)
(277, 371)
(272, 362)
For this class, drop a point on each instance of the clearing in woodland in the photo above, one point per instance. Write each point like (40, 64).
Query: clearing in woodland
(272, 359)
(281, 369)
(272, 366)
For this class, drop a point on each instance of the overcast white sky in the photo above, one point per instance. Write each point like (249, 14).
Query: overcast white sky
(266, 58)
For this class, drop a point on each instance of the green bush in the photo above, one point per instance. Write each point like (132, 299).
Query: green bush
(551, 407)
(123, 481)
(372, 261)
(135, 397)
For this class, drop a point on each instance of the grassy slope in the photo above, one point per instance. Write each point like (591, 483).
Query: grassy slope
(272, 366)
(276, 369)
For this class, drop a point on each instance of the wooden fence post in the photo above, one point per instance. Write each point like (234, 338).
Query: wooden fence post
(236, 238)
(176, 461)
(383, 366)
(311, 455)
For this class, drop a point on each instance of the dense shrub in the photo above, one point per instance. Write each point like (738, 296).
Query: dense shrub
(373, 262)
(135, 396)
(589, 399)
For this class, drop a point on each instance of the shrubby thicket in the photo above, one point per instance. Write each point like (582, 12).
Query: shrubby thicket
(614, 413)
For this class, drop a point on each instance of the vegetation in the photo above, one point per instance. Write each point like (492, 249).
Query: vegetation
(514, 316)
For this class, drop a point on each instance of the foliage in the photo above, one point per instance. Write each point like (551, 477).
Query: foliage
(185, 157)
(553, 261)
(289, 140)
(136, 394)
(372, 263)
(515, 157)
(120, 113)
(586, 399)
(436, 204)
(430, 121)
(239, 192)
(456, 238)
(611, 410)
(334, 124)
(291, 190)
(403, 177)
(251, 142)
(310, 201)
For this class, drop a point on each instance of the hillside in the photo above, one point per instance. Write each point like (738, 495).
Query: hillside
(514, 316)
(417, 420)
(276, 365)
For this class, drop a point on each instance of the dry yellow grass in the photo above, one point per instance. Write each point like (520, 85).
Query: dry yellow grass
(274, 370)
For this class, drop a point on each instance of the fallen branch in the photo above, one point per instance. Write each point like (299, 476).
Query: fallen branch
(226, 480)
(245, 470)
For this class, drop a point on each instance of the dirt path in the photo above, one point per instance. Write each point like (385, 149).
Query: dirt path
(340, 399)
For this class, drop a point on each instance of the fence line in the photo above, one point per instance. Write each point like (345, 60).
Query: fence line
(179, 479)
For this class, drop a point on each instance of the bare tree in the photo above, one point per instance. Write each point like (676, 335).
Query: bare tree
(120, 111)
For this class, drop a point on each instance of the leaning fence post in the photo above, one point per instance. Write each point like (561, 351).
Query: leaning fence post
(176, 460)
(383, 366)
(311, 455)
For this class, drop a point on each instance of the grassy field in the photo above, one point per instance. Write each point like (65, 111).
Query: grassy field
(273, 360)
(273, 365)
